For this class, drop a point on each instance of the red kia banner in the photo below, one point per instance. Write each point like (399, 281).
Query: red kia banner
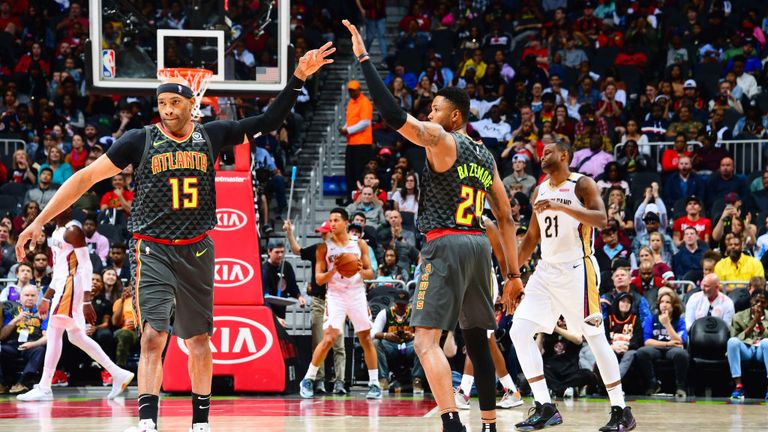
(244, 345)
(238, 270)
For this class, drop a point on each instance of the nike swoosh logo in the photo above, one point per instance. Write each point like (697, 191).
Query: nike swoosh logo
(157, 143)
(197, 254)
(577, 265)
(204, 407)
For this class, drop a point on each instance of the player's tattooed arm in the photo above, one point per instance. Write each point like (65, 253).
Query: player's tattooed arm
(425, 134)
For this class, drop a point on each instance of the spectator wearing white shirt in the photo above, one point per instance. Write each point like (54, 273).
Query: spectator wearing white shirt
(561, 94)
(746, 81)
(243, 55)
(494, 127)
(710, 301)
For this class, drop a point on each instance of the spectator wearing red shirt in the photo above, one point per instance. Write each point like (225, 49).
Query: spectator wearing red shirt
(670, 159)
(421, 19)
(609, 107)
(7, 17)
(34, 56)
(67, 25)
(588, 24)
(79, 153)
(629, 56)
(119, 197)
(692, 219)
(371, 179)
(609, 36)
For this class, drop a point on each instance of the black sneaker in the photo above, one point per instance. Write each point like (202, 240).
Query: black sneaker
(621, 420)
(539, 417)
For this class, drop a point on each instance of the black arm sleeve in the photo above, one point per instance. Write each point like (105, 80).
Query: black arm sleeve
(382, 98)
(128, 149)
(229, 133)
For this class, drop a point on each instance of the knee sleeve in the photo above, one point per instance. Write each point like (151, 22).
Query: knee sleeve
(479, 352)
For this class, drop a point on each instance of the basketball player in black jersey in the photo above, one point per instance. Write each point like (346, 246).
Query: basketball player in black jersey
(172, 257)
(456, 261)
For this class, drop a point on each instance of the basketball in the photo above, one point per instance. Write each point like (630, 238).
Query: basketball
(346, 264)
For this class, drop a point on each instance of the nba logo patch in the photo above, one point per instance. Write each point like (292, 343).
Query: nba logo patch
(108, 63)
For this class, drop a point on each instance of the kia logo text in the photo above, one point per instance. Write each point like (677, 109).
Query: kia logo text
(236, 340)
(231, 272)
(228, 219)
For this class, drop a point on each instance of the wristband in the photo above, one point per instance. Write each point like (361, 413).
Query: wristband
(513, 276)
(362, 56)
(86, 303)
(46, 299)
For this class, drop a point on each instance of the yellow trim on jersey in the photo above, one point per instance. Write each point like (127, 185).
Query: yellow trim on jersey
(168, 135)
(138, 280)
(592, 294)
(586, 239)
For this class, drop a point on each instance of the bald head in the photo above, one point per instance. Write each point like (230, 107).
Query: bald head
(710, 286)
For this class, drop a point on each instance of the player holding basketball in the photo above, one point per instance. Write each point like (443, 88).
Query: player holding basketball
(346, 297)
(568, 208)
(69, 298)
(456, 261)
(172, 257)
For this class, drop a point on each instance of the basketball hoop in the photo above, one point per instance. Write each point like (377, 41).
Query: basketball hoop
(198, 81)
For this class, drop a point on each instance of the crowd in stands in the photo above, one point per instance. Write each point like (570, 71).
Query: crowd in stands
(647, 94)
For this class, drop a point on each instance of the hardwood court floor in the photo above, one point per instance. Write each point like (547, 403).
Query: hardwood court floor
(84, 410)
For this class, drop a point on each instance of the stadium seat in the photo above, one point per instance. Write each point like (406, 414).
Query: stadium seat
(18, 190)
(707, 344)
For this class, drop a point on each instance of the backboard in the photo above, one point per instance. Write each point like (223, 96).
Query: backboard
(134, 39)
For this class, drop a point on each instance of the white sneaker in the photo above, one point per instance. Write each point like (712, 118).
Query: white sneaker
(200, 427)
(510, 400)
(568, 393)
(119, 383)
(462, 400)
(144, 426)
(36, 394)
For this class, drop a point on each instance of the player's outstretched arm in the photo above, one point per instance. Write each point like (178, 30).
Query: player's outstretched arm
(271, 120)
(68, 193)
(425, 134)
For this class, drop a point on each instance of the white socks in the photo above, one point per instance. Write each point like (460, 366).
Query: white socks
(312, 372)
(466, 383)
(373, 376)
(507, 382)
(609, 367)
(540, 391)
(616, 395)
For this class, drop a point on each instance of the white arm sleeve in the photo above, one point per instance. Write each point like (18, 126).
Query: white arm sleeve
(84, 268)
(379, 322)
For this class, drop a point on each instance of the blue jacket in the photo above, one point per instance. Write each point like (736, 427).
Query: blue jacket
(675, 188)
(685, 260)
(653, 329)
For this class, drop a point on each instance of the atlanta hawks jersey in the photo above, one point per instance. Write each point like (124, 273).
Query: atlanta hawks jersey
(455, 198)
(175, 195)
(68, 297)
(339, 282)
(563, 238)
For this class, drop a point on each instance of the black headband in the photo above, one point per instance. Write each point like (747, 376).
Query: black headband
(179, 89)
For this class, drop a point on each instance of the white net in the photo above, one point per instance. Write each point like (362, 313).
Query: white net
(198, 81)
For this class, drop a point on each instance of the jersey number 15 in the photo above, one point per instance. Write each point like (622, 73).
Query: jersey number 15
(188, 189)
(470, 195)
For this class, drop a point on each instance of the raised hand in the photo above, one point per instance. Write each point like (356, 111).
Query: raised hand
(358, 47)
(313, 60)
(33, 232)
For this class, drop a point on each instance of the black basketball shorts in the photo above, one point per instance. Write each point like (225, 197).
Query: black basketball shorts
(455, 284)
(173, 285)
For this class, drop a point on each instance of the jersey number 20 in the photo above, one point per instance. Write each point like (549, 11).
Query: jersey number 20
(470, 195)
(188, 189)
